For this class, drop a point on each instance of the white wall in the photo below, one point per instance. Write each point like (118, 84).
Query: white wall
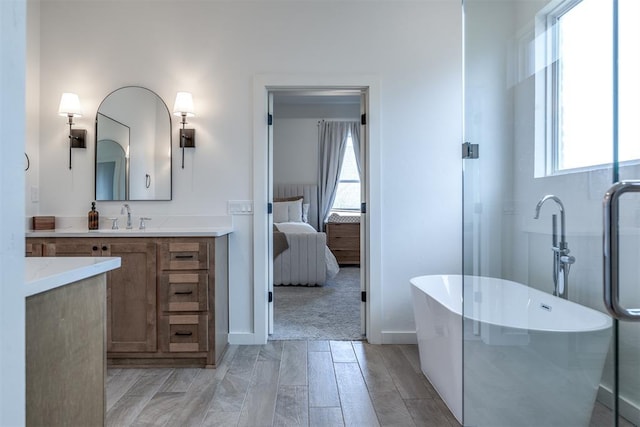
(295, 151)
(489, 123)
(32, 132)
(214, 50)
(12, 129)
(295, 138)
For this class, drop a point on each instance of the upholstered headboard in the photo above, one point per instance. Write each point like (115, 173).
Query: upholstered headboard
(310, 194)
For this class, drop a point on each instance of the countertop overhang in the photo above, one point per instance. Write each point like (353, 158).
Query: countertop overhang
(45, 273)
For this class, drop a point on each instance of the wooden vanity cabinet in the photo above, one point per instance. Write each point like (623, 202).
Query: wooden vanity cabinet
(131, 297)
(186, 290)
(33, 249)
(168, 303)
(131, 289)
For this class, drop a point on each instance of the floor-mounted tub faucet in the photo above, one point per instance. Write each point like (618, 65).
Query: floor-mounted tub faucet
(122, 210)
(561, 259)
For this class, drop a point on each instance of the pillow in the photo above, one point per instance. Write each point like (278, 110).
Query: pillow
(305, 212)
(287, 211)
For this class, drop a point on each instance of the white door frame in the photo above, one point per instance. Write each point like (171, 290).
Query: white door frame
(262, 84)
(362, 94)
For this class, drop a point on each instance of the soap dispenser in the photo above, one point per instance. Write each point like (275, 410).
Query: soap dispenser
(94, 217)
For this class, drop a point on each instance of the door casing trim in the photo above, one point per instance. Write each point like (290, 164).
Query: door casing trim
(262, 85)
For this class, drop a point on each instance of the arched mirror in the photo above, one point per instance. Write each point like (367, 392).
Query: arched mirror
(133, 146)
(111, 171)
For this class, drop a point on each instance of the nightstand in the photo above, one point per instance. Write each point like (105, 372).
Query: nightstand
(343, 238)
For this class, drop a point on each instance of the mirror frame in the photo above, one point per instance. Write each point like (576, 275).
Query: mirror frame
(95, 162)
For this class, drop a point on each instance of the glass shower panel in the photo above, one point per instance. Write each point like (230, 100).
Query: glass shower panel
(629, 220)
(628, 356)
(537, 339)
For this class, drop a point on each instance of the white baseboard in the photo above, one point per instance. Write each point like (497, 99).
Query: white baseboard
(242, 338)
(399, 337)
(628, 410)
(388, 337)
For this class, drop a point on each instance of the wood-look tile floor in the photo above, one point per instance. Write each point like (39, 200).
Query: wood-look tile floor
(283, 383)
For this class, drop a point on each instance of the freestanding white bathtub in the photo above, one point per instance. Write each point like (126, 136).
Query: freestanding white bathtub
(530, 359)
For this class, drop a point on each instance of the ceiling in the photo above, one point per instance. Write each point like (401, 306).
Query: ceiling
(315, 97)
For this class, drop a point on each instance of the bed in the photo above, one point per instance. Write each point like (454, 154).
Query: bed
(301, 255)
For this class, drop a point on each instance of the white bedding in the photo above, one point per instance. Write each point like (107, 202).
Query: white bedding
(301, 227)
(295, 227)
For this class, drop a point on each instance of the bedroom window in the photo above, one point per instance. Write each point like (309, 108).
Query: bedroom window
(348, 191)
(579, 88)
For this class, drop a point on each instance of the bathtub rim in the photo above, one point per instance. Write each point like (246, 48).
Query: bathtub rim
(606, 321)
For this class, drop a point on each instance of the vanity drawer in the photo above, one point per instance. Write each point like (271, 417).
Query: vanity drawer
(33, 249)
(183, 333)
(183, 291)
(184, 256)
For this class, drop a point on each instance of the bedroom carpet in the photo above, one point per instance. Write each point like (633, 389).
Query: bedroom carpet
(329, 312)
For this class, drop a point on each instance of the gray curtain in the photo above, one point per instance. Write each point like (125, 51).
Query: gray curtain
(355, 138)
(332, 139)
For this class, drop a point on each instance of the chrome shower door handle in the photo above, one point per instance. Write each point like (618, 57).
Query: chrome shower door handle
(611, 240)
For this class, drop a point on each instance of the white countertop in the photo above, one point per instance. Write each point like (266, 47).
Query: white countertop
(46, 273)
(135, 232)
(159, 226)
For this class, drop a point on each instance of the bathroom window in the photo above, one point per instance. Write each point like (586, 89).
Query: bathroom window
(579, 85)
(348, 191)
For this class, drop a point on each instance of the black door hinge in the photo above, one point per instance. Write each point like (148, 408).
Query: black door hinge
(270, 297)
(363, 119)
(270, 208)
(470, 151)
(363, 296)
(270, 119)
(363, 207)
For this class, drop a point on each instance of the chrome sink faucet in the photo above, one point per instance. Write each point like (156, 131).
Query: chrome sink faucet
(562, 261)
(122, 210)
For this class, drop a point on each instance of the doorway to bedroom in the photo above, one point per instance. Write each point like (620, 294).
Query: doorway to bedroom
(317, 138)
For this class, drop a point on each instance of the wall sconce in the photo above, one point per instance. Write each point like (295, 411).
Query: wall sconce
(70, 107)
(183, 107)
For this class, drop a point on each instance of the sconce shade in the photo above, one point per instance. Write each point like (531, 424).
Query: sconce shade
(183, 105)
(70, 105)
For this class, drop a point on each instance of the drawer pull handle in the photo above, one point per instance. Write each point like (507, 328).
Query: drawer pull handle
(104, 248)
(95, 248)
(184, 256)
(183, 333)
(183, 292)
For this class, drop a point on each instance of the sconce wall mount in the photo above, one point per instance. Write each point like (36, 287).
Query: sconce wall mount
(187, 138)
(78, 138)
(70, 107)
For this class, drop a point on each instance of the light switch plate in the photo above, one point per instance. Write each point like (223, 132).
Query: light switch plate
(240, 207)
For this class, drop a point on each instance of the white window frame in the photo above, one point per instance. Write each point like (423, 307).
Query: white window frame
(552, 88)
(547, 121)
(347, 181)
